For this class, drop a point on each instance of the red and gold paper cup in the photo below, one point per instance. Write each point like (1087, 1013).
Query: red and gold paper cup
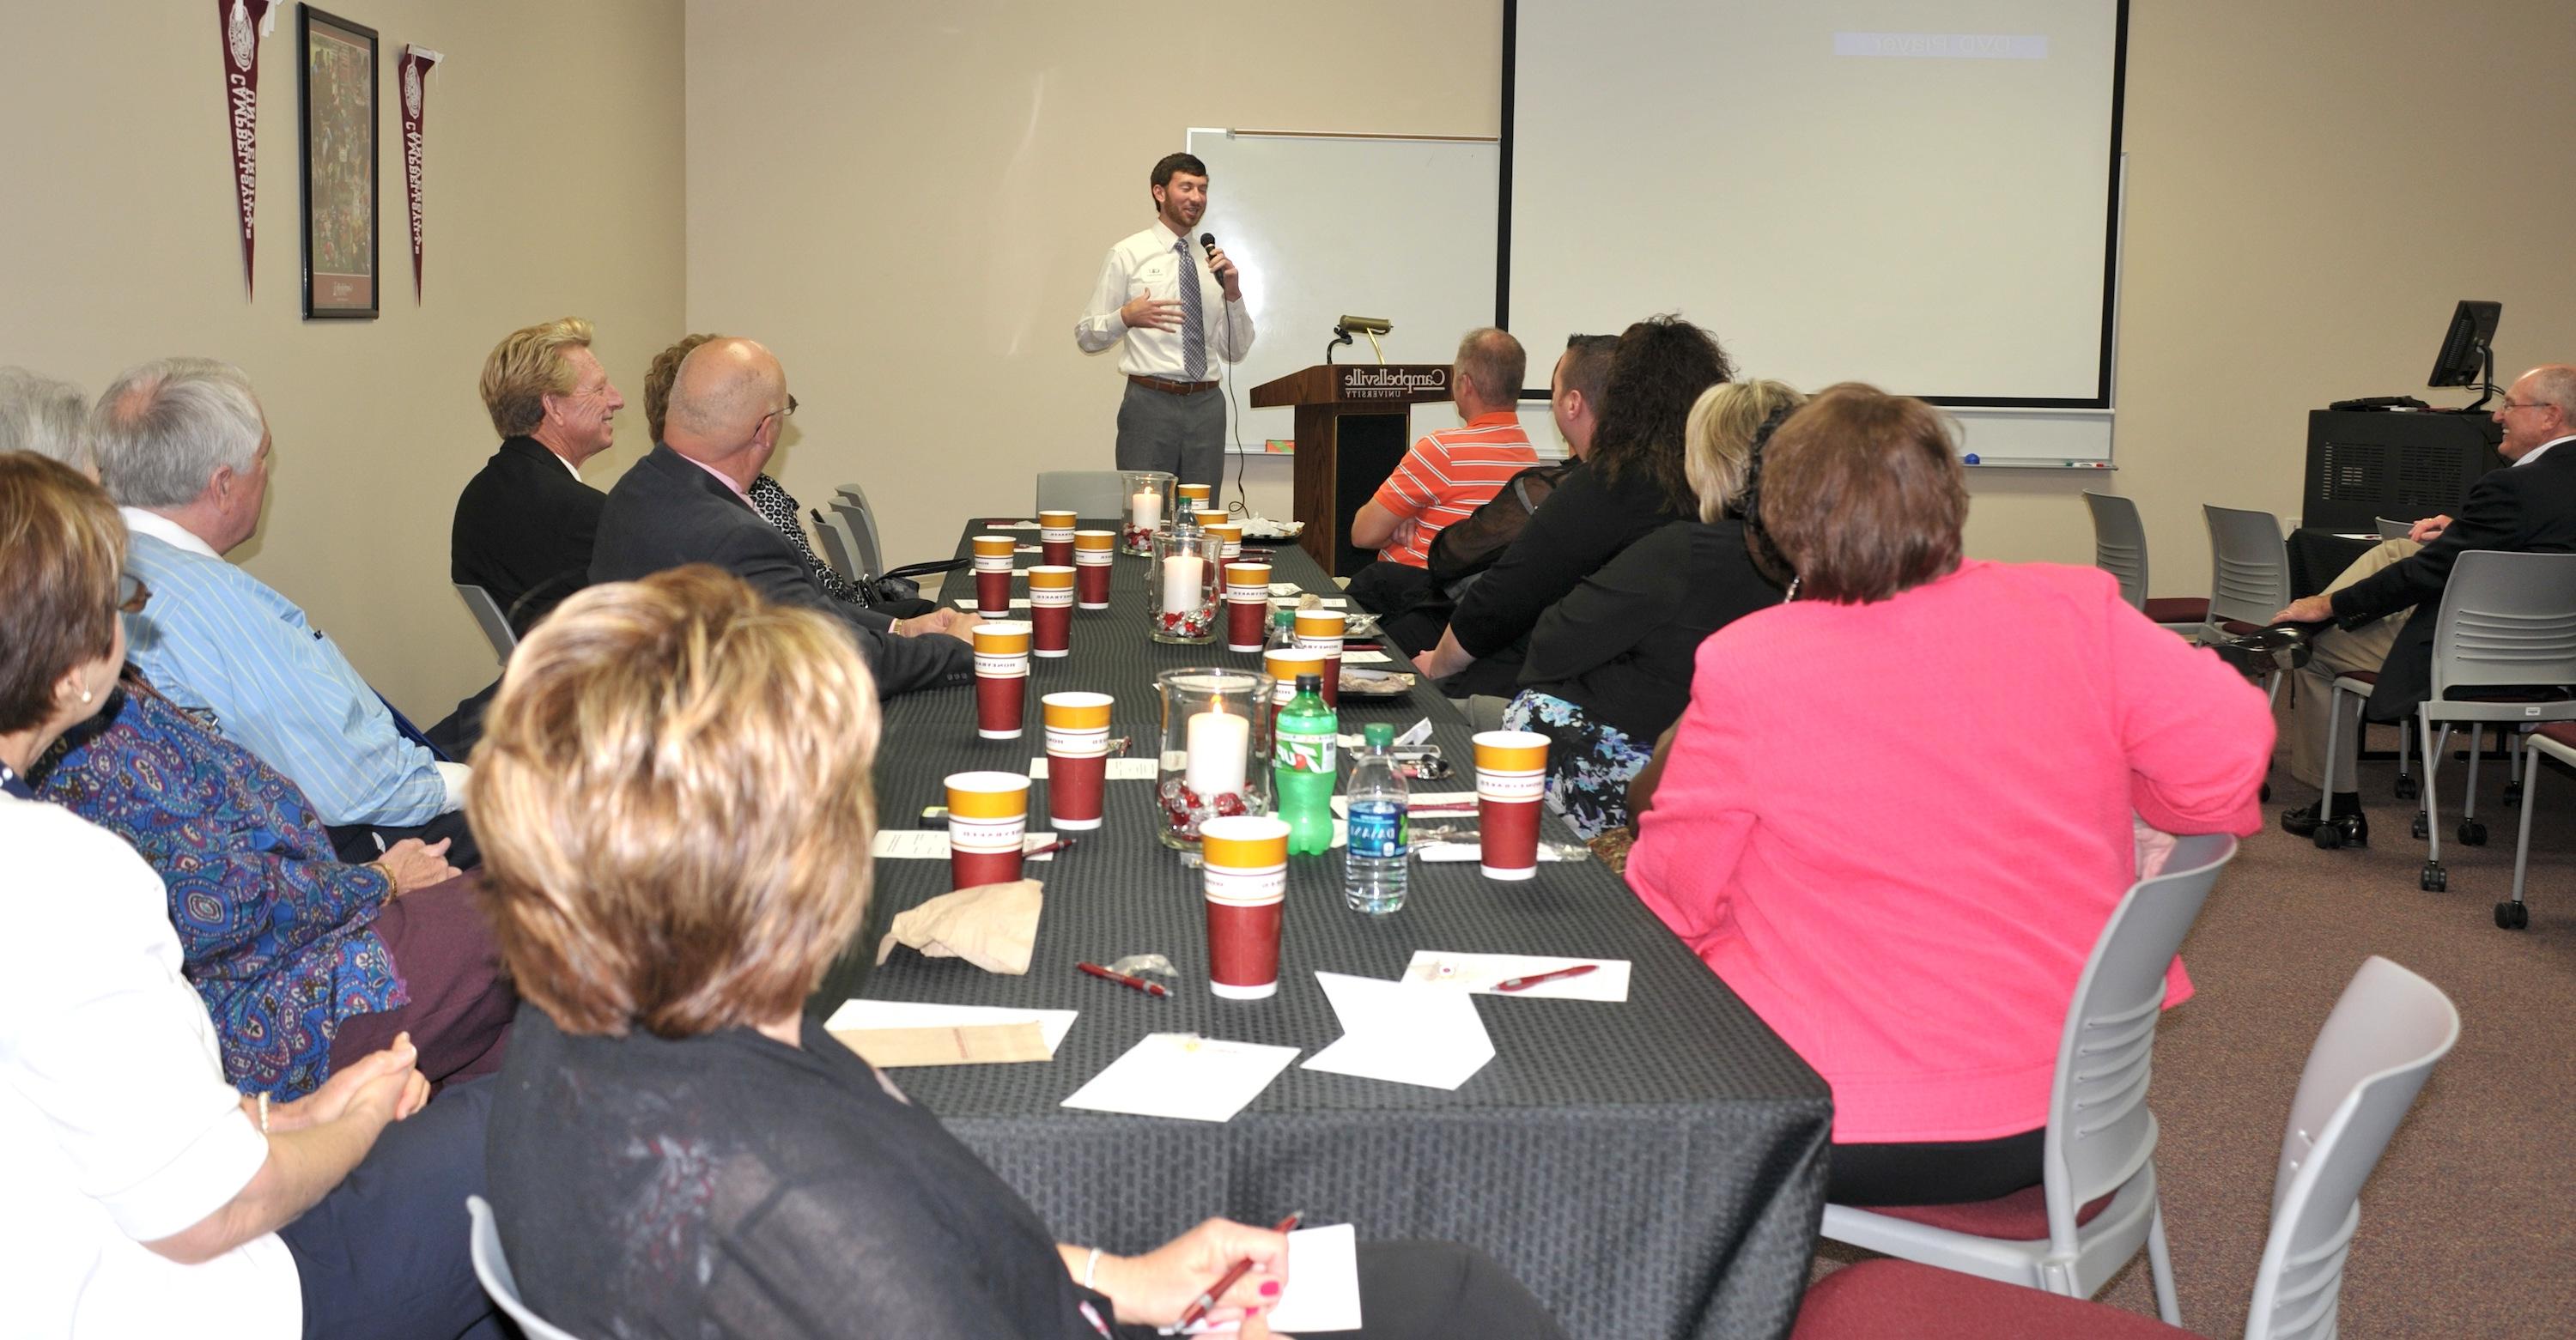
(1247, 886)
(1193, 495)
(1247, 605)
(1229, 535)
(988, 818)
(1001, 678)
(1077, 750)
(1321, 630)
(1055, 537)
(1204, 516)
(1092, 552)
(1051, 609)
(1511, 784)
(1283, 665)
(993, 575)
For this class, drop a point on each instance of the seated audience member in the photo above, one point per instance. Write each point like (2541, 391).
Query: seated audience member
(666, 926)
(47, 417)
(184, 446)
(1897, 832)
(1631, 483)
(1447, 474)
(689, 502)
(305, 962)
(2529, 507)
(525, 522)
(1460, 554)
(146, 1196)
(1609, 666)
(770, 498)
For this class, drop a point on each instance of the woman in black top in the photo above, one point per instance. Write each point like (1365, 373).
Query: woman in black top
(1632, 483)
(1609, 665)
(670, 784)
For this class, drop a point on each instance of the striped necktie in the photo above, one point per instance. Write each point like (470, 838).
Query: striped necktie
(1193, 328)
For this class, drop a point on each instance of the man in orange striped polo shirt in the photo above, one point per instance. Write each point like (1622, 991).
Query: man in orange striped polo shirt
(1448, 473)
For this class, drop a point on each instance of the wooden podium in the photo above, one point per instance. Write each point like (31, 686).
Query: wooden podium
(1353, 426)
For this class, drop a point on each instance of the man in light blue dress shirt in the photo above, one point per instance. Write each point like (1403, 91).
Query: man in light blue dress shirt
(183, 447)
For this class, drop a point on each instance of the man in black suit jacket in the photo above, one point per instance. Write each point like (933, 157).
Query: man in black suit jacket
(2529, 507)
(525, 523)
(688, 502)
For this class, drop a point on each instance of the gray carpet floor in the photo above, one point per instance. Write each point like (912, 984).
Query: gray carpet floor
(2469, 1226)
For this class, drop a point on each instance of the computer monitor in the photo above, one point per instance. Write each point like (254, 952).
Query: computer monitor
(2468, 348)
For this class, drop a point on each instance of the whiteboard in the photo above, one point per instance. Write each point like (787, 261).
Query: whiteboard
(1379, 225)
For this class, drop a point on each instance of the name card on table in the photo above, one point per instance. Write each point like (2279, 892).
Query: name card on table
(1403, 1032)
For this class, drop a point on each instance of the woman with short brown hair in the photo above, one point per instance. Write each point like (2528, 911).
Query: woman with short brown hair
(673, 797)
(1898, 810)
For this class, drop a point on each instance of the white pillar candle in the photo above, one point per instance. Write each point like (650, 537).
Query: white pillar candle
(1184, 576)
(1219, 743)
(1145, 509)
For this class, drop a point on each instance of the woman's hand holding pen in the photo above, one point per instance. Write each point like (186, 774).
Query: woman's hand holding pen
(1156, 1288)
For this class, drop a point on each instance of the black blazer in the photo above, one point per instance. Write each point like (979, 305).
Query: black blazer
(668, 511)
(1622, 644)
(523, 530)
(2522, 509)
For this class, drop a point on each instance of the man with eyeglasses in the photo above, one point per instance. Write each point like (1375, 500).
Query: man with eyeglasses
(2528, 507)
(689, 501)
(525, 522)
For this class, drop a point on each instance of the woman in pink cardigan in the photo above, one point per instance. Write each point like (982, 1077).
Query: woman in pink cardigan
(1897, 812)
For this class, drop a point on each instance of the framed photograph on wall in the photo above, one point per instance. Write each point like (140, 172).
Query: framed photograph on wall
(336, 95)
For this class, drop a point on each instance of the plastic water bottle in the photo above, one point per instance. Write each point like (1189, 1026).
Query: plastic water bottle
(1374, 870)
(1283, 630)
(1305, 769)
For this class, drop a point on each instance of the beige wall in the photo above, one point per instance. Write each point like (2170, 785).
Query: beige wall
(554, 185)
(911, 207)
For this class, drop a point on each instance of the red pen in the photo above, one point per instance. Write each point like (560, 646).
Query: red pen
(1131, 983)
(1519, 983)
(1058, 845)
(1199, 1306)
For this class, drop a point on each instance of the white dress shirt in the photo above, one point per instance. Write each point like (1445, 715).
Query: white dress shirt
(2535, 453)
(119, 1127)
(1147, 264)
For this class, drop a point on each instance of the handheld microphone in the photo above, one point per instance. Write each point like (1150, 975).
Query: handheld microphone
(1208, 240)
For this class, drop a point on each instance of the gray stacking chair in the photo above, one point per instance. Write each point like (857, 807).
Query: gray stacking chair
(2556, 740)
(2394, 530)
(2101, 1139)
(2120, 548)
(1094, 495)
(491, 1267)
(866, 550)
(488, 617)
(2504, 652)
(2369, 1063)
(832, 529)
(2249, 576)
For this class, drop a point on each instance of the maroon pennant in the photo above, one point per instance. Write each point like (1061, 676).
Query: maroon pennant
(415, 109)
(243, 22)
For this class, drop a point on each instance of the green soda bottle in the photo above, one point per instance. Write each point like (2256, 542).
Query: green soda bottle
(1305, 770)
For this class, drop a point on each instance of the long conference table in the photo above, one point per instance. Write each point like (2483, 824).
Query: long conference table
(1648, 1168)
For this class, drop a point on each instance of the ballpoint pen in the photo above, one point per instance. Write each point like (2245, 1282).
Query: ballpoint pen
(1199, 1306)
(1058, 845)
(1520, 983)
(1132, 983)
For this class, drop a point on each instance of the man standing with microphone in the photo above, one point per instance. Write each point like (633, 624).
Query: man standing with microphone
(1179, 305)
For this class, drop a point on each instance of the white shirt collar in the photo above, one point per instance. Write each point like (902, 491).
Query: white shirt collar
(169, 532)
(2534, 454)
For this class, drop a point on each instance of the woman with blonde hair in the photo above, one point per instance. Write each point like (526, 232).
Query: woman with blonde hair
(670, 789)
(1609, 666)
(1897, 831)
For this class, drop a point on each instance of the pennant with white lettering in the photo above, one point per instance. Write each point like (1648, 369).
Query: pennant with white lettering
(415, 110)
(244, 22)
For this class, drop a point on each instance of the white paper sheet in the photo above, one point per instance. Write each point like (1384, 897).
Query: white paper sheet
(969, 602)
(931, 844)
(1185, 1076)
(1052, 1024)
(1402, 1032)
(1119, 770)
(1477, 973)
(1365, 658)
(1012, 525)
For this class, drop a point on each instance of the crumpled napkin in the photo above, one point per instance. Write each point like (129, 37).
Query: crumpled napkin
(993, 926)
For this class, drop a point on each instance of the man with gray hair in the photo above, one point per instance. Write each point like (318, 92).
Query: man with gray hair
(47, 417)
(689, 501)
(2528, 507)
(183, 448)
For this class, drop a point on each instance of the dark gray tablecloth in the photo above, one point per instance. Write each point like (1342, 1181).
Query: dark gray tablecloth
(1652, 1168)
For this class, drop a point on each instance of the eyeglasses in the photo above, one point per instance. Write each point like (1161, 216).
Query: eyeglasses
(131, 593)
(787, 413)
(2512, 405)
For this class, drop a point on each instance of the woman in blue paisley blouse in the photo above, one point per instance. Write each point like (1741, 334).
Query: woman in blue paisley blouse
(305, 962)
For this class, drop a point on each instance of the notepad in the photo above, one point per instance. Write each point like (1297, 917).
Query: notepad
(1184, 1076)
(1403, 1032)
(1477, 974)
